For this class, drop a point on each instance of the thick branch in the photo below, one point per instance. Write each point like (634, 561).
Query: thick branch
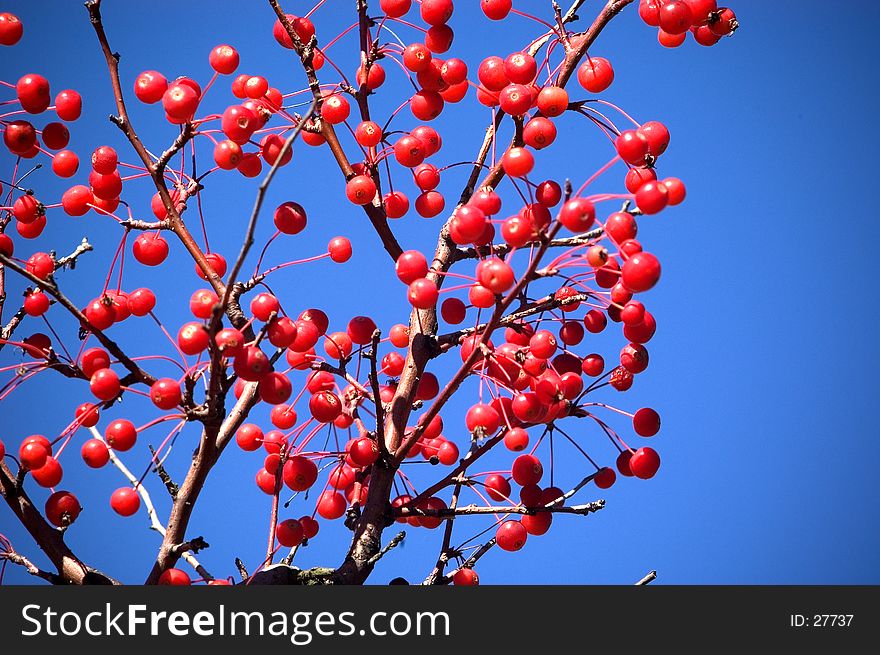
(51, 541)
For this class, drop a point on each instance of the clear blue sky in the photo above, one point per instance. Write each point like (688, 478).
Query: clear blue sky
(763, 366)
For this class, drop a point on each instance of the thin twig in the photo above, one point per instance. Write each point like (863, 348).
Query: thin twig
(155, 523)
(395, 540)
(651, 576)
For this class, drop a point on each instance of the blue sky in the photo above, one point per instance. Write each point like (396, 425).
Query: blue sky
(763, 365)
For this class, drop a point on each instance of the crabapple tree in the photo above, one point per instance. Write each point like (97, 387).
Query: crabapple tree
(504, 311)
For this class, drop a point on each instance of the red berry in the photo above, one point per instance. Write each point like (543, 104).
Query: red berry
(49, 474)
(668, 40)
(310, 526)
(515, 99)
(704, 35)
(632, 146)
(517, 162)
(675, 17)
(553, 101)
(409, 151)
(55, 135)
(368, 134)
(644, 463)
(634, 358)
(165, 393)
(656, 135)
(605, 477)
(511, 536)
(302, 27)
(65, 164)
(496, 9)
(174, 577)
(331, 505)
(466, 577)
(325, 406)
(68, 105)
(150, 249)
(426, 105)
(374, 77)
(33, 93)
(95, 453)
(520, 68)
(652, 197)
(339, 249)
(289, 533)
(527, 469)
(290, 218)
(141, 302)
(429, 204)
(646, 422)
(637, 176)
(264, 305)
(492, 75)
(595, 74)
(125, 501)
(363, 452)
(335, 109)
(577, 214)
(224, 59)
(417, 57)
(150, 86)
(11, 29)
(121, 435)
(180, 101)
(422, 293)
(252, 364)
(675, 190)
(537, 524)
(395, 8)
(193, 338)
(21, 137)
(299, 473)
(360, 189)
(62, 508)
(27, 209)
(436, 12)
(36, 303)
(640, 272)
(34, 453)
(725, 24)
(104, 384)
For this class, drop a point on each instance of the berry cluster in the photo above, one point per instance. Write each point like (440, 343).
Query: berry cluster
(342, 410)
(704, 19)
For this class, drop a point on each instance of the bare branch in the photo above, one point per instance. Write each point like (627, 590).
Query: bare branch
(258, 202)
(52, 289)
(155, 523)
(471, 510)
(375, 210)
(51, 541)
(650, 577)
(30, 567)
(398, 538)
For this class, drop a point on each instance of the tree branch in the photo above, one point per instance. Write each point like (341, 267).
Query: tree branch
(650, 577)
(51, 541)
(50, 287)
(375, 210)
(471, 510)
